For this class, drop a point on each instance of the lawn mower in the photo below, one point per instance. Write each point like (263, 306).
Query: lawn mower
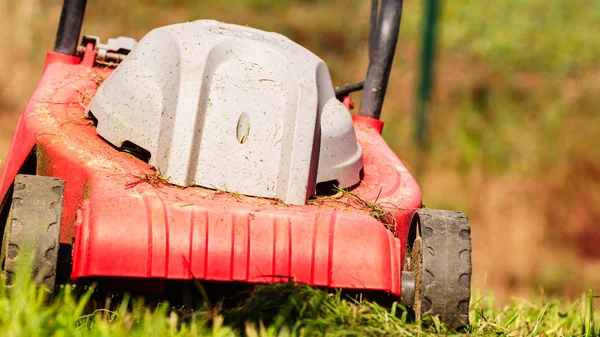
(221, 153)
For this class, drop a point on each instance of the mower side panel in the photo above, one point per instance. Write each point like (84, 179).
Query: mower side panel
(124, 221)
(23, 141)
(33, 122)
(22, 144)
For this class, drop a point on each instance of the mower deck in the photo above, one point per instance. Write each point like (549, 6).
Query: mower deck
(123, 220)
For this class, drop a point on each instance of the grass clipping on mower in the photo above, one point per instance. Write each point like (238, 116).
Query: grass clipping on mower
(351, 200)
(154, 179)
(342, 199)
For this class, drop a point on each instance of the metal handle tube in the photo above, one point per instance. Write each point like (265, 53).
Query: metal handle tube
(344, 91)
(69, 26)
(379, 68)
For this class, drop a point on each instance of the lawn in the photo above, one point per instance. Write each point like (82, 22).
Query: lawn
(284, 309)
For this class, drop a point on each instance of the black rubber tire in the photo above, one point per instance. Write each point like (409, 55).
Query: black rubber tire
(32, 229)
(445, 282)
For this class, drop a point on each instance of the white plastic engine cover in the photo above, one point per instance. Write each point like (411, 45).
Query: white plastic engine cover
(231, 108)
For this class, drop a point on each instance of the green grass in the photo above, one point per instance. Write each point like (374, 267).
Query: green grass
(283, 309)
(556, 36)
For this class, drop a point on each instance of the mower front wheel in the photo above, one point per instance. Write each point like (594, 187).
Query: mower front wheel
(437, 276)
(32, 229)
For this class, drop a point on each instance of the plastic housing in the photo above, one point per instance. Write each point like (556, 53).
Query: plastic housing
(231, 108)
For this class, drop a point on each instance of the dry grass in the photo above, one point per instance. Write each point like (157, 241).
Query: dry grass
(376, 209)
(154, 179)
(344, 199)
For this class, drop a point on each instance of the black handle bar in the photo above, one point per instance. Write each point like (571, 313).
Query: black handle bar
(69, 26)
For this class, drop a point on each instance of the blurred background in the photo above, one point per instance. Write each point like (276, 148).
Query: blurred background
(513, 134)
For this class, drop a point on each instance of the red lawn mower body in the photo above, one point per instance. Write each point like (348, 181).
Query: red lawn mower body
(121, 224)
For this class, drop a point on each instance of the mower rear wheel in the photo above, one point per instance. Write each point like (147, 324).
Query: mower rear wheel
(32, 229)
(439, 259)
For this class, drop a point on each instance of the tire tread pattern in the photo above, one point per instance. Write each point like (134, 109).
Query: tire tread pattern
(33, 228)
(447, 269)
